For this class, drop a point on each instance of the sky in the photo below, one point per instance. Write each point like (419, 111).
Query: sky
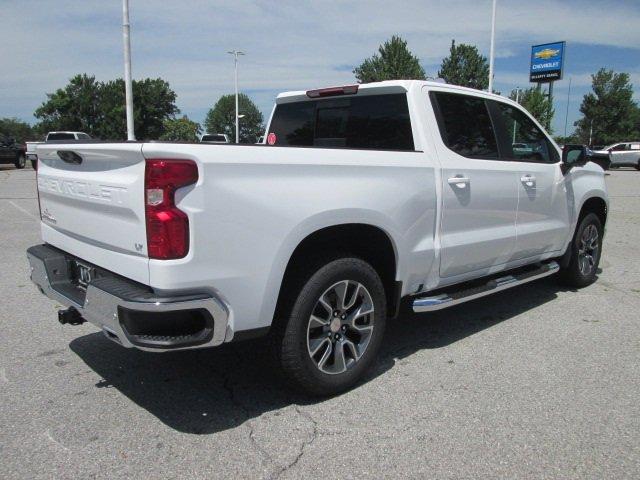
(299, 45)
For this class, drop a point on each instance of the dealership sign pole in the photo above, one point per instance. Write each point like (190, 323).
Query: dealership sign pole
(547, 62)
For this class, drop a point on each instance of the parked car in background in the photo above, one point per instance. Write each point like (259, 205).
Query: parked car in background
(214, 138)
(623, 154)
(365, 198)
(31, 147)
(12, 152)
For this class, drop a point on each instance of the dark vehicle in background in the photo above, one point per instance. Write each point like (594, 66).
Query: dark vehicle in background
(12, 152)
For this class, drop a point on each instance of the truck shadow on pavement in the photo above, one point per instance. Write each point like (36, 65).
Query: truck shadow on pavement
(207, 391)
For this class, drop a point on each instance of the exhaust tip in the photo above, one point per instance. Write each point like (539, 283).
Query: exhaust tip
(70, 316)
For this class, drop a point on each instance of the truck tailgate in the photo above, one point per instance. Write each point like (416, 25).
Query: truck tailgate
(92, 204)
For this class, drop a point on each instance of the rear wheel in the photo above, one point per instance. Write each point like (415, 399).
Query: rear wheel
(334, 326)
(586, 249)
(638, 165)
(20, 162)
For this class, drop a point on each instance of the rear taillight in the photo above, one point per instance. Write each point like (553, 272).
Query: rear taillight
(167, 226)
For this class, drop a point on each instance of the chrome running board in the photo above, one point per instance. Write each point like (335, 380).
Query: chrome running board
(445, 300)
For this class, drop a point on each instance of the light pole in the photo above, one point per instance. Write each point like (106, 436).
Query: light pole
(128, 90)
(514, 122)
(566, 115)
(235, 54)
(493, 46)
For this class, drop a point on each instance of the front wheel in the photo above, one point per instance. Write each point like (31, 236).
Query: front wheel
(20, 162)
(586, 249)
(334, 327)
(638, 165)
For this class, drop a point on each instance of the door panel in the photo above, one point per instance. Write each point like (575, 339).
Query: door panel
(543, 211)
(479, 216)
(479, 191)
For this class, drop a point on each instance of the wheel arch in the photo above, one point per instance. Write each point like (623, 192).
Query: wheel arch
(352, 236)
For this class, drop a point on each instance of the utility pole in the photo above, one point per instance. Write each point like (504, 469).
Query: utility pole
(493, 44)
(128, 90)
(566, 116)
(235, 54)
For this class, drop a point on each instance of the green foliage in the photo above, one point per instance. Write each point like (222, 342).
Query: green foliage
(16, 129)
(465, 66)
(98, 108)
(537, 103)
(180, 130)
(610, 109)
(74, 107)
(394, 61)
(221, 118)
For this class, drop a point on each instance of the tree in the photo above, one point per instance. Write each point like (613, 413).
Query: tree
(393, 61)
(465, 66)
(180, 130)
(537, 103)
(609, 109)
(221, 118)
(16, 129)
(98, 108)
(74, 107)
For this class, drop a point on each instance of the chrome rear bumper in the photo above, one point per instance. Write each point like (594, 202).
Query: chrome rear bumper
(110, 301)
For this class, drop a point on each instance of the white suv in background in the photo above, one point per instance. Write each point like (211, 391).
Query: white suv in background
(623, 154)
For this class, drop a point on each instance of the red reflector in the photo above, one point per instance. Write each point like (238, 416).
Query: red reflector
(167, 226)
(333, 91)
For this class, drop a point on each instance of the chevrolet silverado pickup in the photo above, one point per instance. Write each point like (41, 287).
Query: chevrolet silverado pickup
(363, 198)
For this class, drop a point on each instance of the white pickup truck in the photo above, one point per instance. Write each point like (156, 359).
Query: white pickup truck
(361, 198)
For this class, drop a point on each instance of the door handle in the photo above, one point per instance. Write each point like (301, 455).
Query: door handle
(460, 182)
(528, 180)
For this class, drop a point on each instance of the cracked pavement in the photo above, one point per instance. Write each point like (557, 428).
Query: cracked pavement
(535, 382)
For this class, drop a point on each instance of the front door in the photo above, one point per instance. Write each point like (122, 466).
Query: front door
(542, 224)
(479, 191)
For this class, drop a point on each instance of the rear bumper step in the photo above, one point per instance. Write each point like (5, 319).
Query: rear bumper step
(445, 300)
(127, 312)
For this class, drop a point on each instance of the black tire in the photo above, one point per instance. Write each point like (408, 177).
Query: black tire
(34, 164)
(638, 165)
(20, 162)
(575, 274)
(294, 337)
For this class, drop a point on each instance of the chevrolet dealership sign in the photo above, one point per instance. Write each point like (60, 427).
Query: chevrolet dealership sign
(546, 62)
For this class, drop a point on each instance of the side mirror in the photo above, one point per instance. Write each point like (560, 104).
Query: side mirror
(574, 155)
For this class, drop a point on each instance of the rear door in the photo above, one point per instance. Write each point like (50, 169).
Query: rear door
(479, 191)
(542, 224)
(92, 203)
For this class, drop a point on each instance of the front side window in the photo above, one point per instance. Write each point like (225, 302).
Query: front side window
(525, 142)
(620, 147)
(378, 122)
(465, 125)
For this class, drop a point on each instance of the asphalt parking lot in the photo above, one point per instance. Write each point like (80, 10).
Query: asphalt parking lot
(535, 382)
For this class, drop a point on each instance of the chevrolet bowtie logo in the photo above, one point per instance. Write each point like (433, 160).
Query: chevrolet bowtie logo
(546, 54)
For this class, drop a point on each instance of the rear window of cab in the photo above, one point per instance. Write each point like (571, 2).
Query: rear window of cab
(377, 122)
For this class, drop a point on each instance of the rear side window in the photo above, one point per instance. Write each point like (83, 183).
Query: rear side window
(525, 142)
(84, 136)
(60, 136)
(379, 122)
(465, 125)
(213, 138)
